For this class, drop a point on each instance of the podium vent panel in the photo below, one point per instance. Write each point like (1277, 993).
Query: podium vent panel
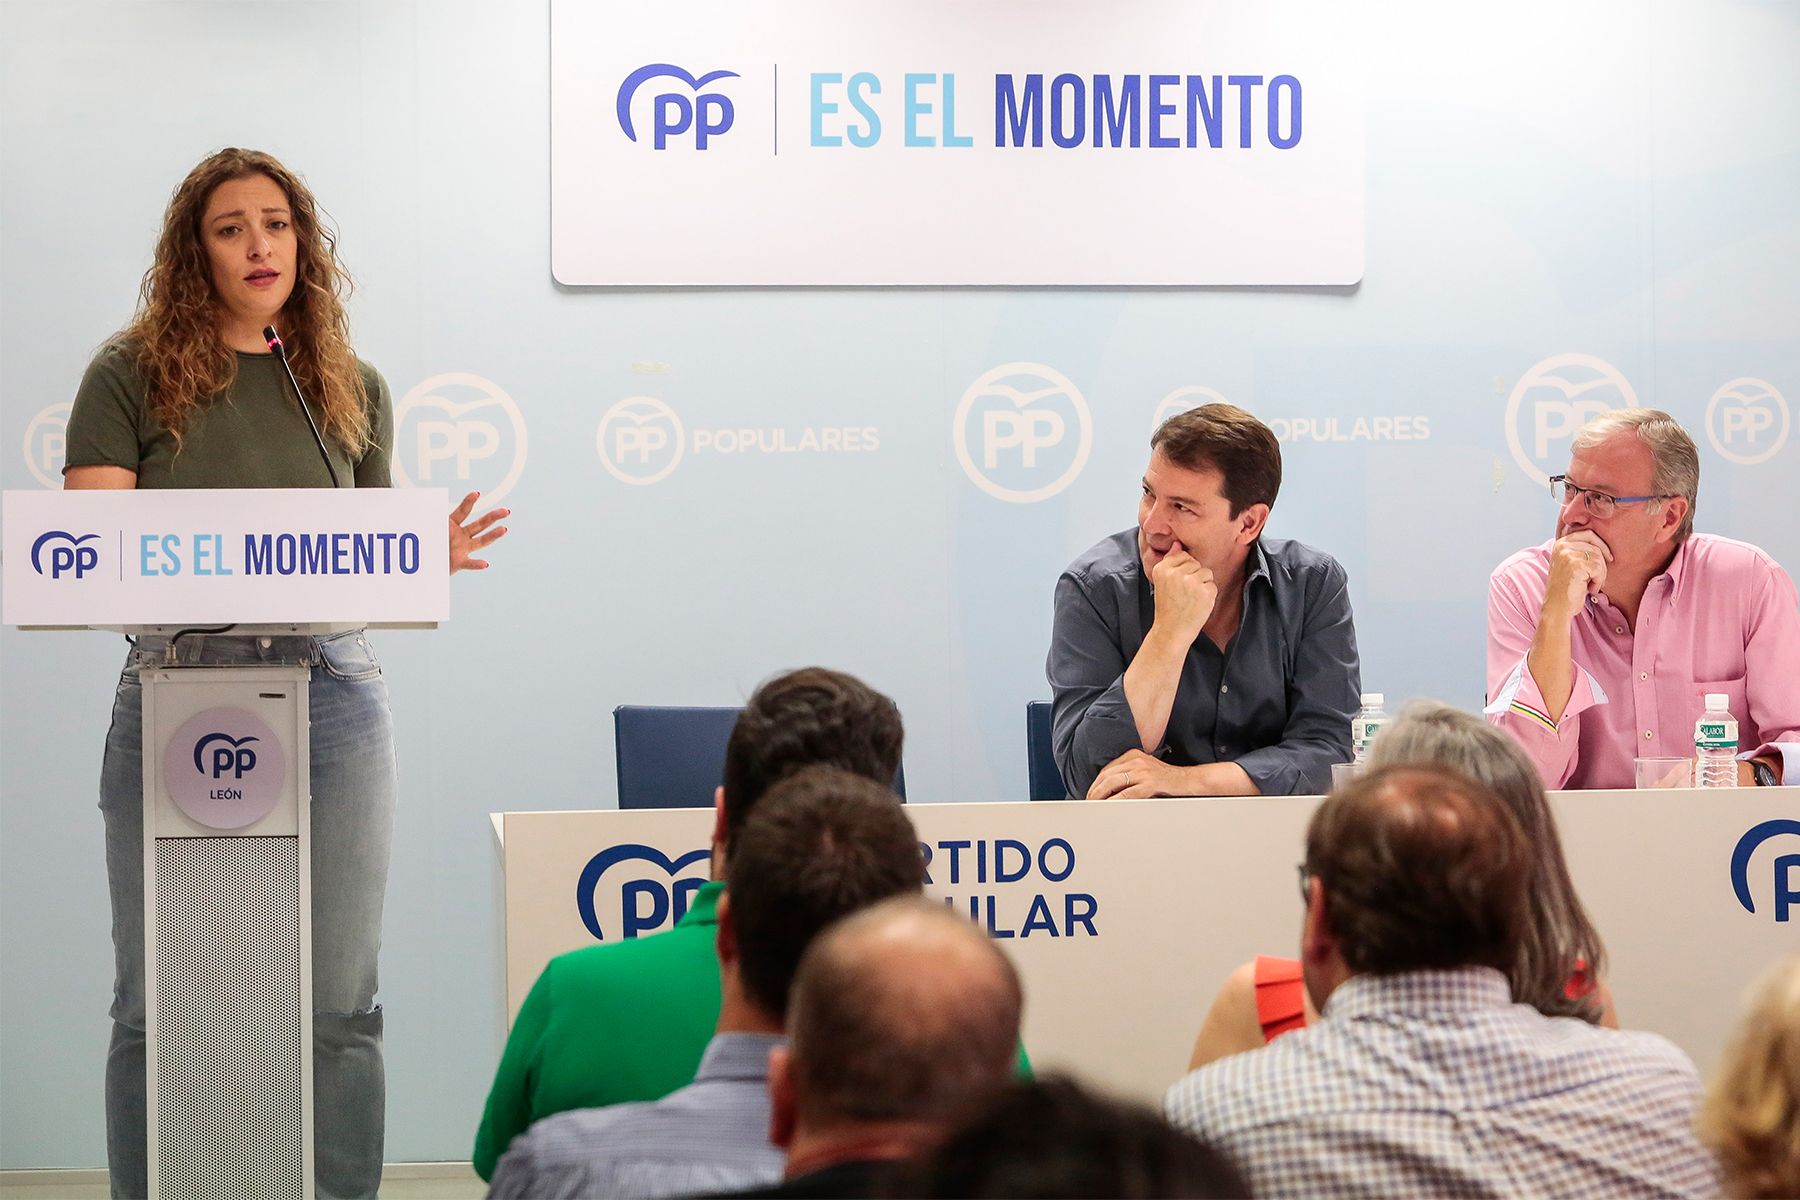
(228, 997)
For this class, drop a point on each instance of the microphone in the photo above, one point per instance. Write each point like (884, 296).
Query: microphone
(274, 340)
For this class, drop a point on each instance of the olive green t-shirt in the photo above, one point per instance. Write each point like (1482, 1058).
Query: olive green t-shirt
(253, 435)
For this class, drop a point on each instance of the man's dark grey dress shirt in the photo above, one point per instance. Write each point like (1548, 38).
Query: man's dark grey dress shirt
(1277, 701)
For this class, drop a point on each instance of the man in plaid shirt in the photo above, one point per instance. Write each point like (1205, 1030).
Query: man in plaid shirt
(1423, 1077)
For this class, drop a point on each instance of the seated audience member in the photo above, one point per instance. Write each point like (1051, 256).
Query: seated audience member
(1147, 702)
(820, 845)
(1422, 1077)
(1751, 1117)
(1604, 641)
(904, 1019)
(1558, 971)
(1054, 1138)
(627, 1020)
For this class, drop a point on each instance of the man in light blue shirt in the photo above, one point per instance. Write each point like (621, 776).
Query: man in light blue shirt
(820, 845)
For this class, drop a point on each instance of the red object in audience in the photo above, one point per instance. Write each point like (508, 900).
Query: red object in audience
(1280, 996)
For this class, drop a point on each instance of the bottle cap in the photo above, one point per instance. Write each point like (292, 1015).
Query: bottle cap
(1376, 699)
(1717, 700)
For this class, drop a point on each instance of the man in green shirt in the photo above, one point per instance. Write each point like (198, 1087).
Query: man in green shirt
(628, 1020)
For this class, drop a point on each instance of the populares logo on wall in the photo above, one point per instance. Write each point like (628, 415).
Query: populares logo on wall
(1747, 421)
(1181, 400)
(59, 553)
(634, 899)
(46, 441)
(692, 110)
(461, 432)
(1022, 432)
(1553, 400)
(224, 768)
(1784, 870)
(641, 440)
(1416, 428)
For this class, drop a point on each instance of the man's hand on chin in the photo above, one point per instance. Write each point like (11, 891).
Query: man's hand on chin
(1135, 775)
(1184, 593)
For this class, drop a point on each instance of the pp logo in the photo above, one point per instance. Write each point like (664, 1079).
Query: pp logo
(1785, 868)
(640, 440)
(706, 115)
(1747, 421)
(218, 754)
(461, 432)
(225, 768)
(642, 904)
(46, 439)
(1181, 400)
(1031, 432)
(1553, 400)
(64, 554)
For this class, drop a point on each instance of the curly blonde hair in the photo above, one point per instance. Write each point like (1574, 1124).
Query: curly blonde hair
(1751, 1117)
(175, 339)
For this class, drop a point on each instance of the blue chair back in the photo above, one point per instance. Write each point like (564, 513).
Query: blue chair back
(670, 757)
(674, 757)
(1045, 780)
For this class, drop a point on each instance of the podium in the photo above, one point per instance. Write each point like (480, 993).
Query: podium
(226, 776)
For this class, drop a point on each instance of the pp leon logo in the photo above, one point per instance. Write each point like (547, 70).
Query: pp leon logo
(1551, 401)
(640, 440)
(46, 439)
(704, 114)
(1022, 432)
(633, 889)
(225, 768)
(1747, 421)
(59, 552)
(459, 431)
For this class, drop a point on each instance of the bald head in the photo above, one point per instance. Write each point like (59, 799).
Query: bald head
(904, 1012)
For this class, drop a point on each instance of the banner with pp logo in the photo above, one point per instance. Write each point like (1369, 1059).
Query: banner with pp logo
(801, 142)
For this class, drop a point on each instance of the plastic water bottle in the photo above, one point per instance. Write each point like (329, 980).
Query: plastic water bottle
(1371, 717)
(1716, 744)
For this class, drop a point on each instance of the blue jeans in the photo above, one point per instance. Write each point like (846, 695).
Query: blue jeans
(353, 790)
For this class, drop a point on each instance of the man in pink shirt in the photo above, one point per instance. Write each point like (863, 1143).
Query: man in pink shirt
(1603, 643)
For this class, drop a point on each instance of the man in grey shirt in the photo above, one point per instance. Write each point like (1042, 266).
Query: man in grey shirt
(819, 845)
(1192, 656)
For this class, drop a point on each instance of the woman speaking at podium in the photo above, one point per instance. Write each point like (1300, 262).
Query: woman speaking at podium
(189, 395)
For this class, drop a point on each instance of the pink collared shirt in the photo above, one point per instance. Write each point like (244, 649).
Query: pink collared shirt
(1723, 617)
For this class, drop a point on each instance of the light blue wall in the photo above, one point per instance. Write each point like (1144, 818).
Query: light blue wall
(1615, 179)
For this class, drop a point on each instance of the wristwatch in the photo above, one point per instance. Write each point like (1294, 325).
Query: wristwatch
(1765, 775)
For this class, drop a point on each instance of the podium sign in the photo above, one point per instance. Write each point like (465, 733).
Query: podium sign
(244, 556)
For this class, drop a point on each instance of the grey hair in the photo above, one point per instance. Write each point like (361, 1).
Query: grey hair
(1559, 934)
(1675, 460)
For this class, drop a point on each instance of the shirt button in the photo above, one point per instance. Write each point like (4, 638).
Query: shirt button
(1646, 735)
(1224, 687)
(1643, 674)
(1619, 629)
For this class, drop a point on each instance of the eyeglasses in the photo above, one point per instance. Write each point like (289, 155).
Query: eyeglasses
(1598, 503)
(1305, 893)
